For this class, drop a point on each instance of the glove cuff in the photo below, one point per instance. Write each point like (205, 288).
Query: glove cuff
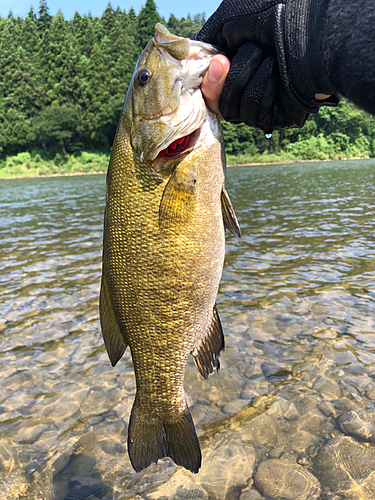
(301, 68)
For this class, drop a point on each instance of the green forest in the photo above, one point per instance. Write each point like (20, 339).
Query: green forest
(63, 83)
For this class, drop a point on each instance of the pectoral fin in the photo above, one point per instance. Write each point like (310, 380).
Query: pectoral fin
(206, 355)
(178, 198)
(113, 339)
(229, 217)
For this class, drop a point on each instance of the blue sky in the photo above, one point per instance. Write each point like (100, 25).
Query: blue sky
(68, 7)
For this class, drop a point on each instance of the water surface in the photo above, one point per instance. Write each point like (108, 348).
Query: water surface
(290, 415)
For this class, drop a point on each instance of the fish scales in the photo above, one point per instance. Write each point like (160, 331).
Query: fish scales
(163, 250)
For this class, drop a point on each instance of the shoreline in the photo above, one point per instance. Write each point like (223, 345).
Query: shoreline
(229, 165)
(286, 162)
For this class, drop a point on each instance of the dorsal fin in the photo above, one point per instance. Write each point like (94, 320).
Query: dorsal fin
(114, 341)
(206, 355)
(229, 217)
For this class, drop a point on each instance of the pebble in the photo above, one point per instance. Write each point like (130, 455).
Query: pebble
(228, 464)
(84, 487)
(61, 461)
(253, 371)
(6, 459)
(179, 487)
(300, 441)
(63, 408)
(261, 431)
(283, 409)
(251, 494)
(335, 408)
(284, 480)
(233, 406)
(327, 387)
(112, 447)
(29, 435)
(370, 392)
(254, 389)
(274, 369)
(315, 422)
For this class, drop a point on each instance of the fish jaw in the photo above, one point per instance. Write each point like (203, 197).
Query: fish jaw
(170, 105)
(187, 120)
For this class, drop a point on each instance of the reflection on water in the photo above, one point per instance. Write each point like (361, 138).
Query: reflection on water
(289, 416)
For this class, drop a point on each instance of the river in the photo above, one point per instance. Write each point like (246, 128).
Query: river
(290, 415)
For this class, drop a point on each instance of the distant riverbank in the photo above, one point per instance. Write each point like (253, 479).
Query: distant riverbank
(26, 165)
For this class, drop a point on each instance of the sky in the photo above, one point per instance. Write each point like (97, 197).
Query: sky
(68, 7)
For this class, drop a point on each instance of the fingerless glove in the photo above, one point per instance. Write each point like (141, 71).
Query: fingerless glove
(275, 68)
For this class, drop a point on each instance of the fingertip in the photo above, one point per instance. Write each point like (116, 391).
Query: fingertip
(218, 69)
(214, 80)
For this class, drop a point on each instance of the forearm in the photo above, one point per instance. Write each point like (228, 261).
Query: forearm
(347, 48)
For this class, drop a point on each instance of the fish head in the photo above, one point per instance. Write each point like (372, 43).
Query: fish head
(164, 108)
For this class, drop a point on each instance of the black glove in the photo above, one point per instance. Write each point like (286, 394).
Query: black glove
(275, 69)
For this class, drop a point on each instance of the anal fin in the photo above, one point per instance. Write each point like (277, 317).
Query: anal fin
(206, 355)
(114, 341)
(229, 217)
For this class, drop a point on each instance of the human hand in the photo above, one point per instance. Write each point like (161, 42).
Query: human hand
(272, 82)
(214, 80)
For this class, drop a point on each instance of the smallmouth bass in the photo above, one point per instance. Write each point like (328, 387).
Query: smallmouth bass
(163, 249)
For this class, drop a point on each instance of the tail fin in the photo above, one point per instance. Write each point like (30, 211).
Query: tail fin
(151, 438)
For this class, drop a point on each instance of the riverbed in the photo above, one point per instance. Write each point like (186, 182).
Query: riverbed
(290, 415)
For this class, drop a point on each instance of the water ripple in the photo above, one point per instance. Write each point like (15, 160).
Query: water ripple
(297, 301)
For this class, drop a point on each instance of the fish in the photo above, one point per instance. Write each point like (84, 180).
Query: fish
(164, 243)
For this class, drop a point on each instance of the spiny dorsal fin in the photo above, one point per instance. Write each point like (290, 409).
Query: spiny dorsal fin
(178, 198)
(113, 339)
(206, 355)
(229, 217)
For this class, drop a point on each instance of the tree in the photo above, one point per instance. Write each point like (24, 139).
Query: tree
(58, 127)
(44, 18)
(63, 84)
(22, 99)
(29, 36)
(146, 21)
(85, 36)
(58, 62)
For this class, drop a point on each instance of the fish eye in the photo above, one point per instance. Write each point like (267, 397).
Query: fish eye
(143, 76)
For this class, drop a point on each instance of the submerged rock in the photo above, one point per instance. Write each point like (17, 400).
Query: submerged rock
(227, 466)
(284, 480)
(6, 459)
(346, 467)
(251, 494)
(327, 387)
(359, 423)
(84, 487)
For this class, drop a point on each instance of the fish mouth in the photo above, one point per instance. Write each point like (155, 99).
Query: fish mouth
(181, 146)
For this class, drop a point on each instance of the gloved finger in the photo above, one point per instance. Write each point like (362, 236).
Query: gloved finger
(242, 69)
(257, 101)
(253, 93)
(266, 105)
(287, 114)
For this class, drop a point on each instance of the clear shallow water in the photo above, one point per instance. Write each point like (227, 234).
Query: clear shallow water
(291, 413)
